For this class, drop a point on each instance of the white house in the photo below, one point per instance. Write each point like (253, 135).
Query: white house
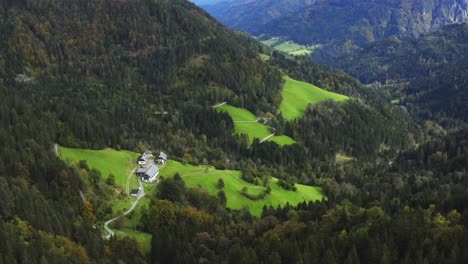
(148, 174)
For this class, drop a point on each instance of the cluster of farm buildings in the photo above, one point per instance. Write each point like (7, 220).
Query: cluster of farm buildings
(149, 169)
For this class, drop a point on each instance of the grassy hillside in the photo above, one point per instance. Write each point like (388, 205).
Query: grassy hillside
(282, 140)
(107, 161)
(290, 47)
(297, 95)
(245, 123)
(236, 113)
(207, 178)
(119, 163)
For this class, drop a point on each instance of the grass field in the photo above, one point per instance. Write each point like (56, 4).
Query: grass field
(252, 128)
(301, 52)
(144, 239)
(107, 161)
(282, 140)
(120, 163)
(207, 178)
(236, 113)
(269, 42)
(297, 95)
(288, 46)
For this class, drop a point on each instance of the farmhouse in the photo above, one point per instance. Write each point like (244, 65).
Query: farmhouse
(162, 158)
(148, 174)
(143, 159)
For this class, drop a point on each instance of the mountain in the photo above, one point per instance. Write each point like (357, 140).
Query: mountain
(208, 2)
(430, 71)
(362, 21)
(248, 15)
(122, 77)
(396, 60)
(340, 26)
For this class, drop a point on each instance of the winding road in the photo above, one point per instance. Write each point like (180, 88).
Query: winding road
(141, 194)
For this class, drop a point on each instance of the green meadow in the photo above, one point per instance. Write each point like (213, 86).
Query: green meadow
(119, 163)
(207, 177)
(236, 113)
(301, 52)
(297, 95)
(269, 42)
(245, 123)
(107, 161)
(290, 47)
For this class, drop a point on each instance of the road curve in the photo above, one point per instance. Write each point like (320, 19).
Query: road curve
(141, 194)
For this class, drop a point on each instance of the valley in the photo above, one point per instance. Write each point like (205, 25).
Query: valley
(286, 151)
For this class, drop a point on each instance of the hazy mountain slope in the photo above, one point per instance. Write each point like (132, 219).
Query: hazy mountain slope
(396, 60)
(362, 21)
(248, 15)
(431, 72)
(143, 74)
(207, 2)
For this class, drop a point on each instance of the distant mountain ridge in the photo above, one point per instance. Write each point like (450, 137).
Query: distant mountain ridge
(342, 26)
(363, 21)
(428, 75)
(248, 15)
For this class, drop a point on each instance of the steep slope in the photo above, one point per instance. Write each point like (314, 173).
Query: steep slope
(298, 95)
(428, 74)
(248, 15)
(143, 74)
(148, 58)
(366, 21)
(340, 26)
(101, 74)
(396, 60)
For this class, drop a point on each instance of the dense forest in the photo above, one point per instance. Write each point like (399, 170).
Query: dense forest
(427, 75)
(396, 60)
(248, 15)
(144, 74)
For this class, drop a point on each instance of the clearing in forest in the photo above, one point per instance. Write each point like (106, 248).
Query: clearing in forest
(107, 161)
(247, 123)
(290, 47)
(207, 178)
(120, 163)
(298, 95)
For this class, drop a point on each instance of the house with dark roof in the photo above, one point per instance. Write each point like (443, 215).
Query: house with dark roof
(135, 192)
(162, 158)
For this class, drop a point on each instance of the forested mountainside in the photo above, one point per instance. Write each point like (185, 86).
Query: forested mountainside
(367, 21)
(144, 74)
(396, 60)
(250, 15)
(428, 74)
(206, 2)
(341, 26)
(384, 214)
